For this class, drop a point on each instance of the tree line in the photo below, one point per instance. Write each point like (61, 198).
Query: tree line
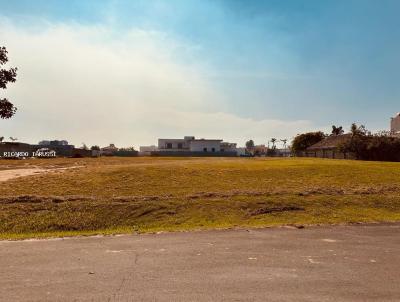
(364, 144)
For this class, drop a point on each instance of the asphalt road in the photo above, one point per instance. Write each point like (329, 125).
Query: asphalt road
(342, 263)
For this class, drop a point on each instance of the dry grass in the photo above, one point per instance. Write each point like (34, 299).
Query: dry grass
(112, 195)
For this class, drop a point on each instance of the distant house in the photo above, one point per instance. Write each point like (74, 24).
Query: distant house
(284, 152)
(53, 143)
(257, 150)
(329, 148)
(190, 146)
(395, 125)
(61, 147)
(109, 150)
(228, 147)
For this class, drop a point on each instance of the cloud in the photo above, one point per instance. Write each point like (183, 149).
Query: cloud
(91, 84)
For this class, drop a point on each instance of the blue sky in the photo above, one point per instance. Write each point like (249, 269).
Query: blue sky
(289, 66)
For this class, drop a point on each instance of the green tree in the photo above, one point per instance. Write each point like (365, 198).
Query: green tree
(358, 144)
(358, 130)
(337, 130)
(302, 141)
(95, 147)
(7, 109)
(250, 144)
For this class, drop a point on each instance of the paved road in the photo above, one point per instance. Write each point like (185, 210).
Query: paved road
(342, 263)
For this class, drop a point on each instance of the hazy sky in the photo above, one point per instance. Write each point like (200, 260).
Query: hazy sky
(128, 72)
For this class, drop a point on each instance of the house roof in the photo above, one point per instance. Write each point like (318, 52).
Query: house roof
(331, 142)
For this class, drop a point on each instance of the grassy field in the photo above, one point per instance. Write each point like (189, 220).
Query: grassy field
(123, 195)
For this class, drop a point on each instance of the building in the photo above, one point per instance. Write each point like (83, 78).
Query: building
(395, 125)
(190, 146)
(329, 148)
(257, 150)
(61, 147)
(228, 147)
(241, 151)
(109, 150)
(53, 143)
(284, 152)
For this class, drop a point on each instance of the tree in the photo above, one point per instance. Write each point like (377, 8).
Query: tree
(273, 141)
(284, 141)
(358, 142)
(366, 146)
(250, 144)
(84, 146)
(95, 147)
(358, 130)
(13, 139)
(337, 130)
(302, 141)
(7, 109)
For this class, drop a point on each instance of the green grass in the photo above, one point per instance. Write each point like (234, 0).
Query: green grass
(123, 195)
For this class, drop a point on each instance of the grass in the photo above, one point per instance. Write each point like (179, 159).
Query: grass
(123, 195)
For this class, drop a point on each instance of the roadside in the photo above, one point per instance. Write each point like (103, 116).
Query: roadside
(332, 263)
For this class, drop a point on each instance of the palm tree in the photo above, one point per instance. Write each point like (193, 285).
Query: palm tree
(358, 130)
(13, 138)
(284, 141)
(337, 130)
(1, 139)
(273, 140)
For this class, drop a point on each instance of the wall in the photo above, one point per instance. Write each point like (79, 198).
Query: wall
(199, 145)
(193, 154)
(15, 147)
(126, 153)
(327, 153)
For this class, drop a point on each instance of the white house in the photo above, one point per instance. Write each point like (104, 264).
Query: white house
(189, 144)
(173, 144)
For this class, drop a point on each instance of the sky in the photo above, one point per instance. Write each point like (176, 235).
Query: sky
(130, 72)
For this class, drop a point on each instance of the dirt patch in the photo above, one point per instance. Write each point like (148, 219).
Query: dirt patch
(6, 175)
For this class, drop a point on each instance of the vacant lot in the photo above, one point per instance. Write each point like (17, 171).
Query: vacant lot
(112, 195)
